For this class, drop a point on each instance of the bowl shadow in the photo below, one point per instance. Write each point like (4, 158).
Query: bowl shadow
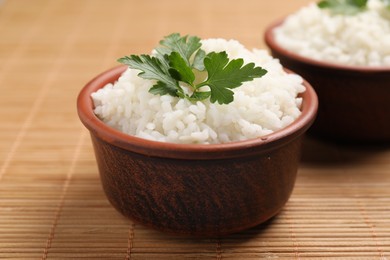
(322, 152)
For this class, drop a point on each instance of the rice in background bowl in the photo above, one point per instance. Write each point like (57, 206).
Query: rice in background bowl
(354, 99)
(260, 107)
(362, 39)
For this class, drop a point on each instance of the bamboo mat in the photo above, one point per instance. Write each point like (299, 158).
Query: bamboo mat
(51, 202)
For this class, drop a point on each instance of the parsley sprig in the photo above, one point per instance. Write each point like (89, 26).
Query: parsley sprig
(346, 7)
(180, 62)
(387, 4)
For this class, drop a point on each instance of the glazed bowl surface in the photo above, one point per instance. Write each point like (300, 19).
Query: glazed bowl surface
(195, 189)
(354, 100)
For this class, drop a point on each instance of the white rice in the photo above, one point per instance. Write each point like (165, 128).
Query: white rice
(362, 39)
(260, 107)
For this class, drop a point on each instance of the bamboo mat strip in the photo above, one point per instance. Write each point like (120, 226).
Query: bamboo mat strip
(52, 205)
(107, 58)
(11, 64)
(62, 198)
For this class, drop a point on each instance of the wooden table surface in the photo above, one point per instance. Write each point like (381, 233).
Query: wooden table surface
(51, 202)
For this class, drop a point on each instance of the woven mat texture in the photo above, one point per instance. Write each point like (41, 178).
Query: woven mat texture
(51, 201)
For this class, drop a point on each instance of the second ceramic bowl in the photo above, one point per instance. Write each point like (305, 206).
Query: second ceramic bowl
(354, 102)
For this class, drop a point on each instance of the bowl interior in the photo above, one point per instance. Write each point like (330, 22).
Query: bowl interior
(185, 151)
(271, 42)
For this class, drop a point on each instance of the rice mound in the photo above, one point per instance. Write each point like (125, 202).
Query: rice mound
(362, 39)
(260, 107)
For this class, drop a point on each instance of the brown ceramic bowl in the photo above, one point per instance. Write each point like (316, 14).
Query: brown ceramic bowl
(202, 190)
(354, 100)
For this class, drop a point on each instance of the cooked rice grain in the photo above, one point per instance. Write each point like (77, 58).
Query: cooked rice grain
(260, 107)
(362, 39)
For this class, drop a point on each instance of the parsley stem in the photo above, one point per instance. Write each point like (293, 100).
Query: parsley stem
(202, 84)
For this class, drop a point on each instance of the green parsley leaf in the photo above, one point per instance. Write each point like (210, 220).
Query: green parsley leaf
(185, 46)
(179, 70)
(161, 88)
(175, 62)
(345, 7)
(358, 3)
(153, 68)
(387, 4)
(198, 60)
(199, 95)
(224, 75)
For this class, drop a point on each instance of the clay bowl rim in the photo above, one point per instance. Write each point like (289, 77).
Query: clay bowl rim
(189, 151)
(273, 45)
